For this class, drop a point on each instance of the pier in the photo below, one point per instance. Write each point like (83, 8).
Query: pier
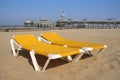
(105, 24)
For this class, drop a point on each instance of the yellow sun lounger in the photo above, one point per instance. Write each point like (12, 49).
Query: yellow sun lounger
(54, 38)
(32, 44)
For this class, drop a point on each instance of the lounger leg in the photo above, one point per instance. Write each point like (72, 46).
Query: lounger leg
(69, 58)
(99, 51)
(46, 64)
(13, 48)
(102, 49)
(90, 52)
(18, 50)
(78, 57)
(35, 64)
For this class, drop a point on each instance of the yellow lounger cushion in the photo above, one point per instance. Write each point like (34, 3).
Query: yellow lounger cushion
(29, 42)
(58, 40)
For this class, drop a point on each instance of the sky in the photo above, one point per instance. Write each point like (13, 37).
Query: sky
(14, 12)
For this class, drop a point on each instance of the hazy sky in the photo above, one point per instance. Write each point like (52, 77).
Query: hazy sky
(14, 12)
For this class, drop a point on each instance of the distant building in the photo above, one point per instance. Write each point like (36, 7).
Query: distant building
(28, 23)
(43, 23)
(39, 23)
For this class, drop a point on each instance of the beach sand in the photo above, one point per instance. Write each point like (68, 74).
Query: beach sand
(105, 66)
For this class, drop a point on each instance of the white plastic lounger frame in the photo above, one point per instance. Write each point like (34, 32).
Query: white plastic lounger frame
(40, 38)
(13, 48)
(32, 54)
(84, 49)
(44, 40)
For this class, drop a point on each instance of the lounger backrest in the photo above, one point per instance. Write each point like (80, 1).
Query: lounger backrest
(53, 37)
(25, 39)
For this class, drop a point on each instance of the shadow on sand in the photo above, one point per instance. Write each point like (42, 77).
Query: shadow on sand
(42, 59)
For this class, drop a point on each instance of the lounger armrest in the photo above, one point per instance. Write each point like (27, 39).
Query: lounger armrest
(54, 56)
(87, 48)
(44, 40)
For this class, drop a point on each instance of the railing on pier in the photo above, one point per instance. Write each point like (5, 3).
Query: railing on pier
(9, 29)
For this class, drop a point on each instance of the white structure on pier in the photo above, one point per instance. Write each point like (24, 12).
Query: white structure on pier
(39, 23)
(62, 16)
(28, 23)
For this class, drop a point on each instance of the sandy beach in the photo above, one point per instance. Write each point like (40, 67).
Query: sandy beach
(105, 66)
